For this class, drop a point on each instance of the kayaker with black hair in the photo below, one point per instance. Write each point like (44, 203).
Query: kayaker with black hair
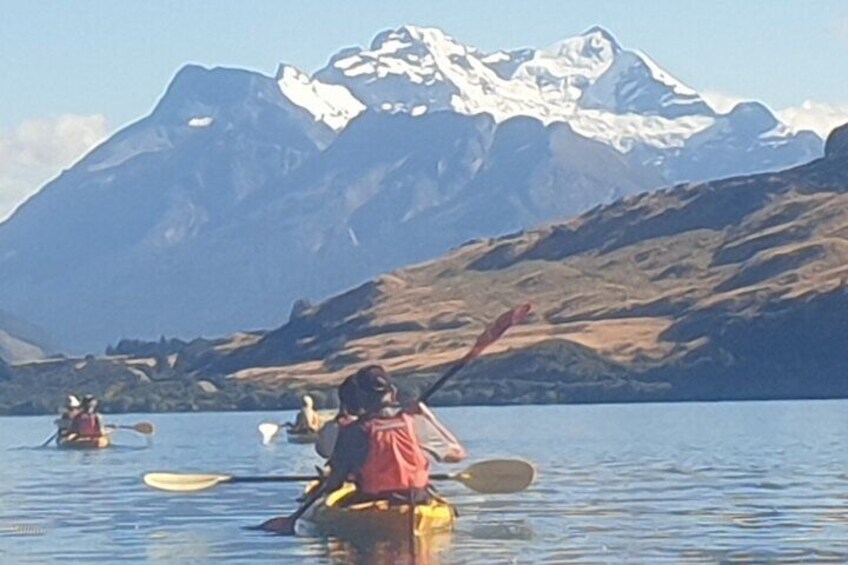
(433, 436)
(381, 451)
(66, 419)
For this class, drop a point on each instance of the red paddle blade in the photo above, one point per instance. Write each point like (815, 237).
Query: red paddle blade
(497, 329)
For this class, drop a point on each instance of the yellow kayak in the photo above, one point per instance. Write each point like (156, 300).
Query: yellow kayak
(85, 443)
(301, 437)
(379, 519)
(309, 436)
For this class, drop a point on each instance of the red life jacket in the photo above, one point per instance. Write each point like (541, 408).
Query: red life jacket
(87, 425)
(395, 461)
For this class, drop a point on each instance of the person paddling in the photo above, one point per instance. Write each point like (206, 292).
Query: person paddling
(433, 436)
(381, 450)
(66, 419)
(307, 419)
(87, 424)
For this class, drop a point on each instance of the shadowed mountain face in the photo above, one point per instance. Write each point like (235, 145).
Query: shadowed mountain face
(730, 289)
(242, 193)
(734, 289)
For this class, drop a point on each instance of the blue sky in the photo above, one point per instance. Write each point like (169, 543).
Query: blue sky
(72, 72)
(115, 58)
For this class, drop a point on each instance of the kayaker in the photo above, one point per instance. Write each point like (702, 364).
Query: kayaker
(65, 420)
(349, 409)
(381, 450)
(87, 424)
(307, 419)
(433, 436)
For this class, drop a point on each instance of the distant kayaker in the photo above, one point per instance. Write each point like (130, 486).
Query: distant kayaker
(381, 450)
(66, 419)
(87, 424)
(307, 419)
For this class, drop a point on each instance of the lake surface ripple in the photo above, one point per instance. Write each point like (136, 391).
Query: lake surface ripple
(755, 482)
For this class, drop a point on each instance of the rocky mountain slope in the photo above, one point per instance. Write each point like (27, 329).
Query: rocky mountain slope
(733, 289)
(21, 341)
(730, 289)
(241, 193)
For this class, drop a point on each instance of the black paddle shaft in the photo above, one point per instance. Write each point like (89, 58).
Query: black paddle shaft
(433, 388)
(490, 335)
(273, 479)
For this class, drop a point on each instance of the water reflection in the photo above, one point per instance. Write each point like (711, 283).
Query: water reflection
(424, 550)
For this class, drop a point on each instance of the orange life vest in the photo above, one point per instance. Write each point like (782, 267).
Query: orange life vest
(395, 461)
(87, 425)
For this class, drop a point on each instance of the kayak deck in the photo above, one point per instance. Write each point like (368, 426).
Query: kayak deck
(309, 436)
(101, 442)
(379, 519)
(301, 437)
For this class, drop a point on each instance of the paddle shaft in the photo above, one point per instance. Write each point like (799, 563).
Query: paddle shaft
(115, 427)
(144, 428)
(273, 479)
(51, 438)
(433, 388)
(489, 336)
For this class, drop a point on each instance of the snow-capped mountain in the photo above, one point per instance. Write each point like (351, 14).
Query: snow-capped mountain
(604, 92)
(242, 192)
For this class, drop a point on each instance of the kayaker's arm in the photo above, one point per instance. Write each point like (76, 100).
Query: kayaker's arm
(349, 453)
(434, 437)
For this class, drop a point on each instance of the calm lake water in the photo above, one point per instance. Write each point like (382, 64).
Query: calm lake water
(655, 483)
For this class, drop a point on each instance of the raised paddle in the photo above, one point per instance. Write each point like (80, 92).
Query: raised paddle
(497, 476)
(489, 336)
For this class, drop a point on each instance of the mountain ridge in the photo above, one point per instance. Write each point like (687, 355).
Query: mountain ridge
(729, 290)
(233, 199)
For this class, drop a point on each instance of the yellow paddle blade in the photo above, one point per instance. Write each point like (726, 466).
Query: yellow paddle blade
(145, 428)
(174, 482)
(498, 476)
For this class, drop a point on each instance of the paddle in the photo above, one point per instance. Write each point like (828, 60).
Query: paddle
(145, 428)
(489, 336)
(176, 482)
(269, 431)
(497, 476)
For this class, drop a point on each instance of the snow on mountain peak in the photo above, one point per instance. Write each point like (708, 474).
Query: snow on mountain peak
(408, 69)
(633, 83)
(595, 44)
(332, 104)
(606, 92)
